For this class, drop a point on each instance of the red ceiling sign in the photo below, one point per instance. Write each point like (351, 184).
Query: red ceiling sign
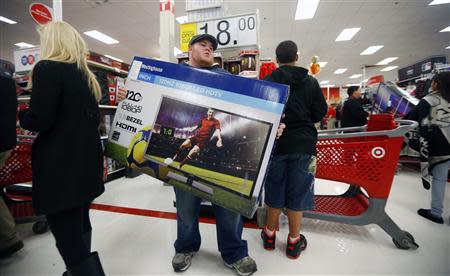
(41, 13)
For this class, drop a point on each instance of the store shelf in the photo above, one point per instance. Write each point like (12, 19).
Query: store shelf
(116, 174)
(23, 98)
(107, 68)
(107, 106)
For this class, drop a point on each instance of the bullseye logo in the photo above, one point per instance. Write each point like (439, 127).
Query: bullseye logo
(378, 152)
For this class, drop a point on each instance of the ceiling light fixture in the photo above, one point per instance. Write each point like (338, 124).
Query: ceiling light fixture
(101, 37)
(306, 9)
(24, 45)
(438, 2)
(386, 61)
(324, 82)
(322, 63)
(347, 34)
(389, 68)
(445, 30)
(371, 50)
(7, 20)
(355, 76)
(111, 57)
(340, 71)
(182, 19)
(448, 47)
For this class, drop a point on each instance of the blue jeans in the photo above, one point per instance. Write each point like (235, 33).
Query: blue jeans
(290, 182)
(229, 226)
(439, 172)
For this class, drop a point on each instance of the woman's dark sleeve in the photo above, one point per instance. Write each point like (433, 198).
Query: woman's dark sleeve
(45, 97)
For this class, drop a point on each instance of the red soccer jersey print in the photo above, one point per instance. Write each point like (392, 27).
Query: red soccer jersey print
(207, 128)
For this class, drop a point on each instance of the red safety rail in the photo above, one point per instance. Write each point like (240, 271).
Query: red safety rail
(18, 167)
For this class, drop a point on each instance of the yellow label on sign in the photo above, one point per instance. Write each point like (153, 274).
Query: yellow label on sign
(187, 31)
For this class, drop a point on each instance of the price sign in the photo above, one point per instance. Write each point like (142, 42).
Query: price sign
(234, 31)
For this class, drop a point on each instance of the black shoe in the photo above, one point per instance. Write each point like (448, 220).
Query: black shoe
(293, 250)
(11, 249)
(426, 213)
(268, 242)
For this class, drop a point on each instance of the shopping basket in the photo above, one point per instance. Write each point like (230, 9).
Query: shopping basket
(364, 159)
(15, 172)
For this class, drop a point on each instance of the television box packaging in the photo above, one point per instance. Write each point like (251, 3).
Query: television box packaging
(210, 134)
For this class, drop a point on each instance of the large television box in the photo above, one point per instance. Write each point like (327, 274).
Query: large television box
(208, 133)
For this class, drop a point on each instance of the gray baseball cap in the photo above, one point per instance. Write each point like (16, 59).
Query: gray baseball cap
(200, 37)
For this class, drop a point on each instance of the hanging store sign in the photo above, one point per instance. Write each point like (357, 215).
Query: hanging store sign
(40, 13)
(236, 31)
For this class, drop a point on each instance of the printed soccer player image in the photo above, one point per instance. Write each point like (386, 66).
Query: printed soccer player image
(207, 129)
(222, 148)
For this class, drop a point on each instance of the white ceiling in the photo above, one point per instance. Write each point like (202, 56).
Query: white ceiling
(408, 29)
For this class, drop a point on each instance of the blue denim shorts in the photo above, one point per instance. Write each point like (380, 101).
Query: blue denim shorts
(290, 182)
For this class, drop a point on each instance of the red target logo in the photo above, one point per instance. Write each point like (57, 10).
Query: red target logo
(378, 152)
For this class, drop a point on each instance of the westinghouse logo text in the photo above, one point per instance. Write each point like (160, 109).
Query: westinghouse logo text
(152, 68)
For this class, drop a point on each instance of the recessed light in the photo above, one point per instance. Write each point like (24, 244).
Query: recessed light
(322, 63)
(347, 34)
(7, 20)
(389, 68)
(306, 9)
(111, 57)
(324, 82)
(438, 2)
(355, 76)
(340, 71)
(101, 37)
(24, 45)
(386, 61)
(445, 30)
(371, 50)
(182, 19)
(448, 47)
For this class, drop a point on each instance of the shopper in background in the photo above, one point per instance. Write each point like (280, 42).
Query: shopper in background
(9, 242)
(229, 224)
(290, 179)
(433, 115)
(331, 116)
(67, 156)
(352, 113)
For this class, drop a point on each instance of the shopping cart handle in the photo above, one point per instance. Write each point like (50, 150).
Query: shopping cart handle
(403, 127)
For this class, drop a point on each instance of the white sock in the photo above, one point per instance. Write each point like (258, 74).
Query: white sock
(269, 233)
(294, 240)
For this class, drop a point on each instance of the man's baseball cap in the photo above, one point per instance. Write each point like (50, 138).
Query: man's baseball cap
(200, 37)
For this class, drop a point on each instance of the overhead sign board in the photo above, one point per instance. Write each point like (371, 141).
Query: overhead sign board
(236, 31)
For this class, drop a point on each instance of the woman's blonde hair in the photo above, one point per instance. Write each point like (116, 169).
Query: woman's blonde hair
(61, 42)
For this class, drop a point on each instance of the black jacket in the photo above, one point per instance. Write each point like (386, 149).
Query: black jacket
(353, 114)
(306, 105)
(67, 156)
(8, 112)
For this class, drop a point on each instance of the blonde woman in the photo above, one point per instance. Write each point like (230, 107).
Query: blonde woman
(67, 156)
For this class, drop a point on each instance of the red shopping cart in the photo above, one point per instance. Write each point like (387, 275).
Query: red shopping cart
(364, 158)
(13, 175)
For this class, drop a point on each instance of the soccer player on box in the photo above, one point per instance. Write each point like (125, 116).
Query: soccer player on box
(207, 129)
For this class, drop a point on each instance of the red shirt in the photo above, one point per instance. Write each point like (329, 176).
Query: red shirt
(331, 112)
(207, 128)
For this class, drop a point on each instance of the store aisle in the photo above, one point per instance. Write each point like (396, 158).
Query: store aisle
(131, 244)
